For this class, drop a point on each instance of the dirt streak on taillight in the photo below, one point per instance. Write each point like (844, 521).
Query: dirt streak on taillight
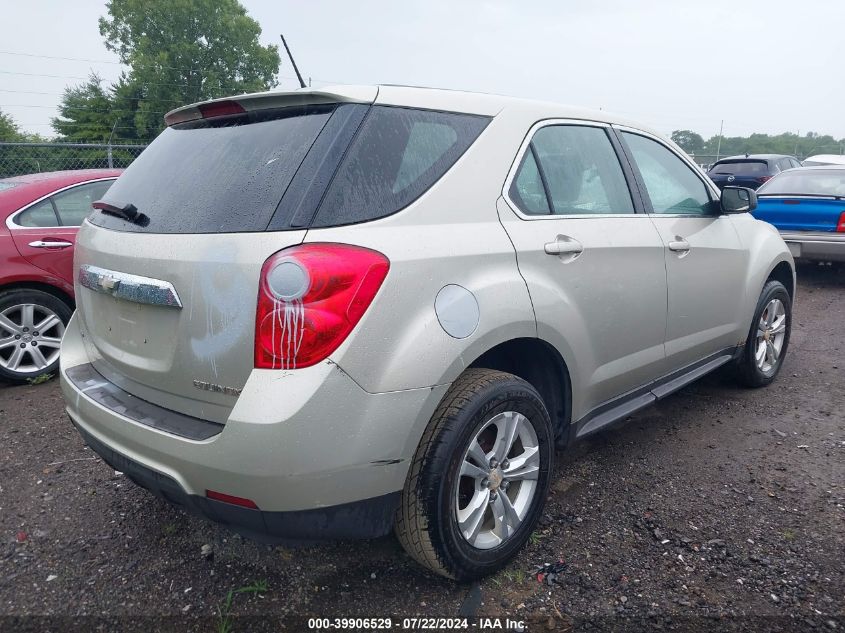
(320, 297)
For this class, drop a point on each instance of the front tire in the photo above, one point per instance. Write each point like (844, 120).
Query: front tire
(768, 339)
(480, 476)
(32, 323)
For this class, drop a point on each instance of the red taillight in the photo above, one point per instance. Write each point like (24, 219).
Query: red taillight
(310, 297)
(220, 108)
(840, 226)
(763, 179)
(238, 501)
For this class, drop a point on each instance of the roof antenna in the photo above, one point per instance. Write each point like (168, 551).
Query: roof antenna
(296, 70)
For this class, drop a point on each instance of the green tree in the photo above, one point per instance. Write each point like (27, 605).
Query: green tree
(183, 51)
(9, 130)
(688, 140)
(86, 113)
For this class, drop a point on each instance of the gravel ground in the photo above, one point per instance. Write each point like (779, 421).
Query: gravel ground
(719, 507)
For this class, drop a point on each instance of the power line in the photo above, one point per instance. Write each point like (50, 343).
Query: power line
(91, 61)
(98, 61)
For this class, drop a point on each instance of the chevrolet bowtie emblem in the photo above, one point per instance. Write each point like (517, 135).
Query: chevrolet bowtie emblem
(108, 283)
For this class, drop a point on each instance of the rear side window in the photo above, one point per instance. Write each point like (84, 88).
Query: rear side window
(578, 173)
(397, 155)
(221, 175)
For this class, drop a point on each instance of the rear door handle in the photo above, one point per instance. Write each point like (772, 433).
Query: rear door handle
(679, 245)
(49, 244)
(564, 245)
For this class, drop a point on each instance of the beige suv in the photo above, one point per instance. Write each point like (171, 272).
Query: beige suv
(328, 313)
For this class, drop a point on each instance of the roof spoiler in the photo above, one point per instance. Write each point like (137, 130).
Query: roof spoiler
(269, 100)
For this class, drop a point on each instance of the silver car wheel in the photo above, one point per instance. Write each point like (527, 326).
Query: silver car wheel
(498, 480)
(771, 333)
(30, 338)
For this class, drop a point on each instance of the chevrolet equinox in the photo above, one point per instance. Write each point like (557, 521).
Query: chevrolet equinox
(327, 314)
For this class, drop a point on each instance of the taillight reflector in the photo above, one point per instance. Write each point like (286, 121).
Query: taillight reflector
(310, 297)
(238, 501)
(840, 227)
(763, 179)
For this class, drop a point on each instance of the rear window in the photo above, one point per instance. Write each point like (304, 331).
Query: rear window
(742, 168)
(291, 168)
(810, 182)
(221, 175)
(398, 154)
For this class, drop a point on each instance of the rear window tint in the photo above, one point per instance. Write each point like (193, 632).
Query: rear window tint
(810, 182)
(742, 168)
(221, 175)
(397, 155)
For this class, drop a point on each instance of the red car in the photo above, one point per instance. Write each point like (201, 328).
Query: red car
(39, 217)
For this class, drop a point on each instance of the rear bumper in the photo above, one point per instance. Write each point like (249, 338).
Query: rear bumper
(320, 457)
(816, 246)
(368, 518)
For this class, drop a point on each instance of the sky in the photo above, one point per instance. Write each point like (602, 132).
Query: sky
(767, 66)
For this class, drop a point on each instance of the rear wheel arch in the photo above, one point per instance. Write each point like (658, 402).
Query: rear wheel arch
(60, 294)
(542, 366)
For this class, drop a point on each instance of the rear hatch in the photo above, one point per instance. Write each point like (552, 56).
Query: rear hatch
(168, 268)
(740, 173)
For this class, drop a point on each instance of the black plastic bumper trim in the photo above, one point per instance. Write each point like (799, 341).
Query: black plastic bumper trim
(365, 519)
(94, 385)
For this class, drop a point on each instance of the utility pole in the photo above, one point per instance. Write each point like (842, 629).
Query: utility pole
(109, 153)
(295, 69)
(719, 144)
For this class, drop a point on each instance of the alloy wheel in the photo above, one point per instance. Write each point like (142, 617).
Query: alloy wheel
(498, 480)
(30, 338)
(771, 333)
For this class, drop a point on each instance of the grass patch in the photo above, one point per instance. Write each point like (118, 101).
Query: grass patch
(224, 617)
(38, 380)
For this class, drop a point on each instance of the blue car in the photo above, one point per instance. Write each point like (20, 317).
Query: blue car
(807, 206)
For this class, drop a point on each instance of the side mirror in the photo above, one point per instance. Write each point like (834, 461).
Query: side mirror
(738, 200)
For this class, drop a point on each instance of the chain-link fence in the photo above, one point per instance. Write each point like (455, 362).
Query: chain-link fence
(29, 158)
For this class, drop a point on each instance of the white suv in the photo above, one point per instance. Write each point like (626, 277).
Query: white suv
(323, 314)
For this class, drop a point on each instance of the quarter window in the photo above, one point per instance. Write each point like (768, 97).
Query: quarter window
(571, 170)
(74, 205)
(671, 184)
(39, 215)
(527, 188)
(397, 155)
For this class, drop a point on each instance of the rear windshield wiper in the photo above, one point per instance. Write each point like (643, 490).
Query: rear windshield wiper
(127, 212)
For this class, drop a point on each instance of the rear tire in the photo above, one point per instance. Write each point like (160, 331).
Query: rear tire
(32, 323)
(768, 337)
(459, 516)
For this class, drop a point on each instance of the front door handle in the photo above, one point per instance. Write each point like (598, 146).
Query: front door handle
(49, 244)
(679, 245)
(564, 245)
